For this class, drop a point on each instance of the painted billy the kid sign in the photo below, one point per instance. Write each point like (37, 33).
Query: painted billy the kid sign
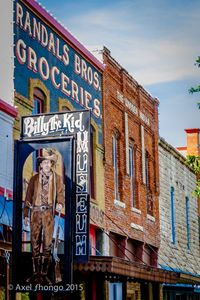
(48, 193)
(62, 124)
(56, 124)
(44, 50)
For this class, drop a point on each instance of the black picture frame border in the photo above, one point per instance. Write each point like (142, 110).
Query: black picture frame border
(22, 149)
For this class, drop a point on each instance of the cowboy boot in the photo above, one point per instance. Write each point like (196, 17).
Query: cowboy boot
(36, 277)
(44, 270)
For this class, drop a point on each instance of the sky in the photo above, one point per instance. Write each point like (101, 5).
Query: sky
(156, 41)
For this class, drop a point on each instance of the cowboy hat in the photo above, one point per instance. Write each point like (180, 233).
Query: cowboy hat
(52, 158)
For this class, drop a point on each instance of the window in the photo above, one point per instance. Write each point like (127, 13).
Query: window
(147, 170)
(187, 222)
(39, 101)
(117, 245)
(96, 241)
(173, 215)
(150, 256)
(147, 182)
(115, 166)
(115, 290)
(64, 108)
(132, 174)
(134, 250)
(92, 240)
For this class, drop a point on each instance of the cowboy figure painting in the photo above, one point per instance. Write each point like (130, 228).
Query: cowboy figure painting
(45, 194)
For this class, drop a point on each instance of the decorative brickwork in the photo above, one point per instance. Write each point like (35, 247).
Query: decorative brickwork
(127, 109)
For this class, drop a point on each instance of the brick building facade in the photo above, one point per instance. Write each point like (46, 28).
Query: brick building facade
(131, 160)
(131, 171)
(179, 227)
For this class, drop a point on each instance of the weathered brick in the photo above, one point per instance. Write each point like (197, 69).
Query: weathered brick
(116, 79)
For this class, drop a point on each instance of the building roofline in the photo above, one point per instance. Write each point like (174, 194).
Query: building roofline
(181, 148)
(192, 130)
(8, 109)
(52, 22)
(107, 52)
(174, 152)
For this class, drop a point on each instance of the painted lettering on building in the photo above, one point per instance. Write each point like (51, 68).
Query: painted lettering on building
(133, 108)
(41, 53)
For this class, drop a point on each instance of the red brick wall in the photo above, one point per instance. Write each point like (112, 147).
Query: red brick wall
(193, 147)
(118, 219)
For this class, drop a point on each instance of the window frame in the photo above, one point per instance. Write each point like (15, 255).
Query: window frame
(115, 163)
(187, 221)
(132, 173)
(172, 204)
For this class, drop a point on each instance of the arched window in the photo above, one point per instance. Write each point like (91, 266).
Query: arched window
(173, 225)
(115, 165)
(65, 108)
(132, 174)
(147, 171)
(39, 101)
(187, 222)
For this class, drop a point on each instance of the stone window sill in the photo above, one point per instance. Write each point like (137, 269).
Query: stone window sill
(119, 203)
(137, 227)
(136, 210)
(151, 218)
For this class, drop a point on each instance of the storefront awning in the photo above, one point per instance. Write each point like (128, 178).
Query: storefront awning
(122, 267)
(184, 277)
(189, 278)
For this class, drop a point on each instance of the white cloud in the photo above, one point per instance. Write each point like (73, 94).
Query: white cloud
(156, 41)
(160, 62)
(152, 50)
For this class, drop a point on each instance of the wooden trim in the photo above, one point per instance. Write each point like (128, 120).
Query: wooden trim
(118, 266)
(8, 109)
(64, 33)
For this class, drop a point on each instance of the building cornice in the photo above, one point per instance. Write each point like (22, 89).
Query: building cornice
(8, 109)
(192, 130)
(174, 152)
(61, 30)
(148, 96)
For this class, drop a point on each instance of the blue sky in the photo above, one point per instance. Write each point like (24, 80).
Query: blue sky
(156, 41)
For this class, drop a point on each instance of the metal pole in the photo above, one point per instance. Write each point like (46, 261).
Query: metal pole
(7, 281)
(7, 256)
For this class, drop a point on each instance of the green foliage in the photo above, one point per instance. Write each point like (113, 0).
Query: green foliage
(194, 163)
(198, 62)
(194, 90)
(197, 88)
(197, 189)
